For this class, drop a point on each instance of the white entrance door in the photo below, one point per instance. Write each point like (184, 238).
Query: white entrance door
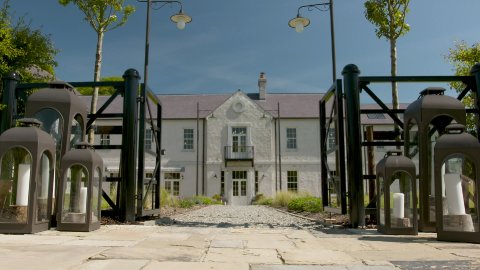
(239, 188)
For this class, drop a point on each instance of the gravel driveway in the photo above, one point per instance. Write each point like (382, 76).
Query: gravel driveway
(257, 216)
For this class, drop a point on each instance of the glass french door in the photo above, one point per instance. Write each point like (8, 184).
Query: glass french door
(239, 142)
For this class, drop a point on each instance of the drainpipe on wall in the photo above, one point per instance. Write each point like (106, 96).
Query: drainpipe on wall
(204, 140)
(279, 147)
(197, 149)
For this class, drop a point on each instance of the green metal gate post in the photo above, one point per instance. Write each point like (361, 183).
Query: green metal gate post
(354, 154)
(475, 71)
(128, 166)
(8, 98)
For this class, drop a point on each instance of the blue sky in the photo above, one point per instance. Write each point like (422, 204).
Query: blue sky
(229, 42)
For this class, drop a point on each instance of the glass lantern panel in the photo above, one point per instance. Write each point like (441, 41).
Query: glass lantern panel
(75, 194)
(460, 205)
(52, 123)
(43, 186)
(95, 195)
(76, 133)
(401, 200)
(411, 144)
(381, 190)
(432, 139)
(15, 174)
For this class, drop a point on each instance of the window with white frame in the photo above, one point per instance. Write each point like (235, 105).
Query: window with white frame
(291, 138)
(148, 139)
(105, 139)
(292, 181)
(172, 183)
(188, 139)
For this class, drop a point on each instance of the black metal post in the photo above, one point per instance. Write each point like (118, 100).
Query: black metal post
(332, 36)
(9, 99)
(128, 163)
(354, 154)
(340, 127)
(323, 151)
(475, 71)
(159, 154)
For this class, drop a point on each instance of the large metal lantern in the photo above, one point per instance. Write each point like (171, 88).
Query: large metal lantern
(27, 157)
(396, 200)
(425, 120)
(457, 164)
(80, 190)
(62, 113)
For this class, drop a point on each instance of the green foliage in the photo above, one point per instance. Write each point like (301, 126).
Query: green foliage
(23, 49)
(166, 199)
(282, 198)
(388, 16)
(463, 57)
(102, 15)
(186, 203)
(104, 91)
(263, 201)
(305, 204)
(217, 197)
(196, 200)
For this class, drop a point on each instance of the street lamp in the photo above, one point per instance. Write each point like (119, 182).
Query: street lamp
(181, 19)
(299, 23)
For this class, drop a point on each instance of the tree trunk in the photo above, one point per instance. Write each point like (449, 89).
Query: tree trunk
(96, 78)
(393, 73)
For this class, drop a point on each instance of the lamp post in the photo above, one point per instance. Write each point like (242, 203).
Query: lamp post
(181, 19)
(299, 23)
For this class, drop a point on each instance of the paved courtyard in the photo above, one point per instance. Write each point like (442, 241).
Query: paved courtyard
(206, 245)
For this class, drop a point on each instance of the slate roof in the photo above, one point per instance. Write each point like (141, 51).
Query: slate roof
(185, 106)
(292, 105)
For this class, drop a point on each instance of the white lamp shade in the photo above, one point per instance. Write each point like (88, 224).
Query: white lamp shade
(181, 24)
(299, 27)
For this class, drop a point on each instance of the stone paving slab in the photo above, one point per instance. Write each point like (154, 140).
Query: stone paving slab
(235, 255)
(320, 267)
(316, 256)
(155, 265)
(114, 264)
(159, 247)
(166, 253)
(48, 257)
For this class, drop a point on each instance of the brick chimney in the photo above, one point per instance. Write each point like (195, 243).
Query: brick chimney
(262, 86)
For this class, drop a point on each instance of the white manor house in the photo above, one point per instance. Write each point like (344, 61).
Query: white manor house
(236, 145)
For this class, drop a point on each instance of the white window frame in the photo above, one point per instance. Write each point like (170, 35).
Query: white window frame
(291, 141)
(292, 179)
(104, 139)
(186, 141)
(172, 182)
(148, 139)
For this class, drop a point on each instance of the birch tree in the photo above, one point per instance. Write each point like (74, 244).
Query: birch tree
(388, 16)
(103, 16)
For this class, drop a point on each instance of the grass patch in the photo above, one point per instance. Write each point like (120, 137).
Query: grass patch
(305, 204)
(197, 200)
(293, 201)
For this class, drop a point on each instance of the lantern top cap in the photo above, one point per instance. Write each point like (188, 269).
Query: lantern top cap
(455, 128)
(29, 122)
(393, 153)
(83, 145)
(432, 91)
